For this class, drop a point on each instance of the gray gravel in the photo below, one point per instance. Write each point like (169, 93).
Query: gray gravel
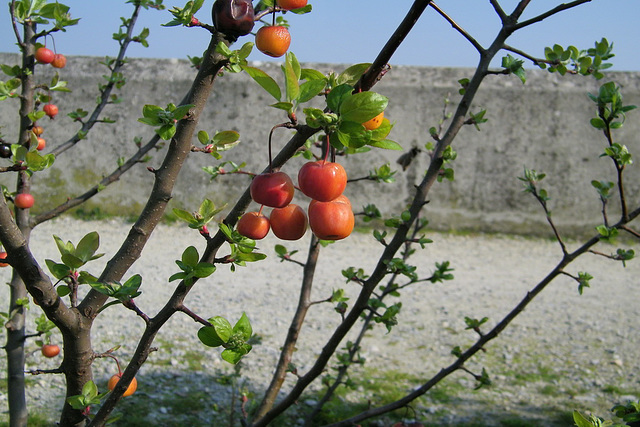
(564, 352)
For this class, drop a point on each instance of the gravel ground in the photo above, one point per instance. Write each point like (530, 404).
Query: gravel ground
(564, 352)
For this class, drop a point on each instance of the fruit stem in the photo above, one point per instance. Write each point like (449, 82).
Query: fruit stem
(260, 211)
(326, 148)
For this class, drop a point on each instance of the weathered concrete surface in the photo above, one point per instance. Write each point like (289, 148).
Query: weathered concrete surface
(543, 125)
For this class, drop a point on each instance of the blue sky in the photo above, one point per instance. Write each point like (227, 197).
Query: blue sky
(351, 31)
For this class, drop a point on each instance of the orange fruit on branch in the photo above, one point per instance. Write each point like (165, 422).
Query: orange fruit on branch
(374, 123)
(291, 4)
(273, 40)
(133, 385)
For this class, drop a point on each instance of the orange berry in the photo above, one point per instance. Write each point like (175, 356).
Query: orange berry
(273, 40)
(133, 385)
(50, 350)
(374, 123)
(41, 144)
(59, 61)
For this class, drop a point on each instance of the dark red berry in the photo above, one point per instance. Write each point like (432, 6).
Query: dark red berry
(233, 18)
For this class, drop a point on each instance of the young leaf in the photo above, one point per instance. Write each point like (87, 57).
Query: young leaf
(190, 256)
(264, 80)
(362, 106)
(243, 327)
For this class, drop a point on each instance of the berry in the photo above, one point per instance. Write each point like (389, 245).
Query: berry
(133, 385)
(234, 18)
(41, 144)
(288, 223)
(253, 225)
(322, 181)
(3, 255)
(50, 350)
(374, 123)
(5, 151)
(38, 130)
(273, 40)
(272, 189)
(23, 200)
(59, 61)
(332, 220)
(50, 110)
(291, 4)
(44, 55)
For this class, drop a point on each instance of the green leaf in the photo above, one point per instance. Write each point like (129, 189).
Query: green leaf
(286, 106)
(87, 246)
(231, 356)
(64, 248)
(203, 269)
(184, 215)
(190, 256)
(352, 74)
(310, 89)
(226, 137)
(580, 420)
(59, 271)
(292, 87)
(63, 291)
(166, 132)
(72, 261)
(222, 327)
(337, 95)
(387, 144)
(352, 134)
(209, 337)
(243, 327)
(264, 80)
(362, 106)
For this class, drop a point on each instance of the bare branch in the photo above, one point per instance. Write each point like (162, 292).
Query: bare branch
(458, 28)
(543, 16)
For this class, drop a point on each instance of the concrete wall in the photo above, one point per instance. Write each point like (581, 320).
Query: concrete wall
(541, 125)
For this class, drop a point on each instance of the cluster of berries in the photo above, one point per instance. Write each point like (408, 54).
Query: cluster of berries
(329, 214)
(236, 18)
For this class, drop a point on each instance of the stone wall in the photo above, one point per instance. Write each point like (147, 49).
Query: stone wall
(543, 125)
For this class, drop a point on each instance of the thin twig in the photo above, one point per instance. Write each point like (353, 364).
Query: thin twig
(458, 28)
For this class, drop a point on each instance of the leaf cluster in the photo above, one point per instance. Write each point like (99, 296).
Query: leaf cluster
(73, 258)
(197, 220)
(164, 118)
(41, 12)
(183, 16)
(234, 339)
(192, 267)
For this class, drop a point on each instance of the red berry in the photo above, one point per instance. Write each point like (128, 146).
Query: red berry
(322, 181)
(233, 17)
(288, 223)
(50, 350)
(291, 4)
(44, 55)
(3, 255)
(253, 225)
(23, 200)
(332, 220)
(41, 144)
(50, 110)
(272, 189)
